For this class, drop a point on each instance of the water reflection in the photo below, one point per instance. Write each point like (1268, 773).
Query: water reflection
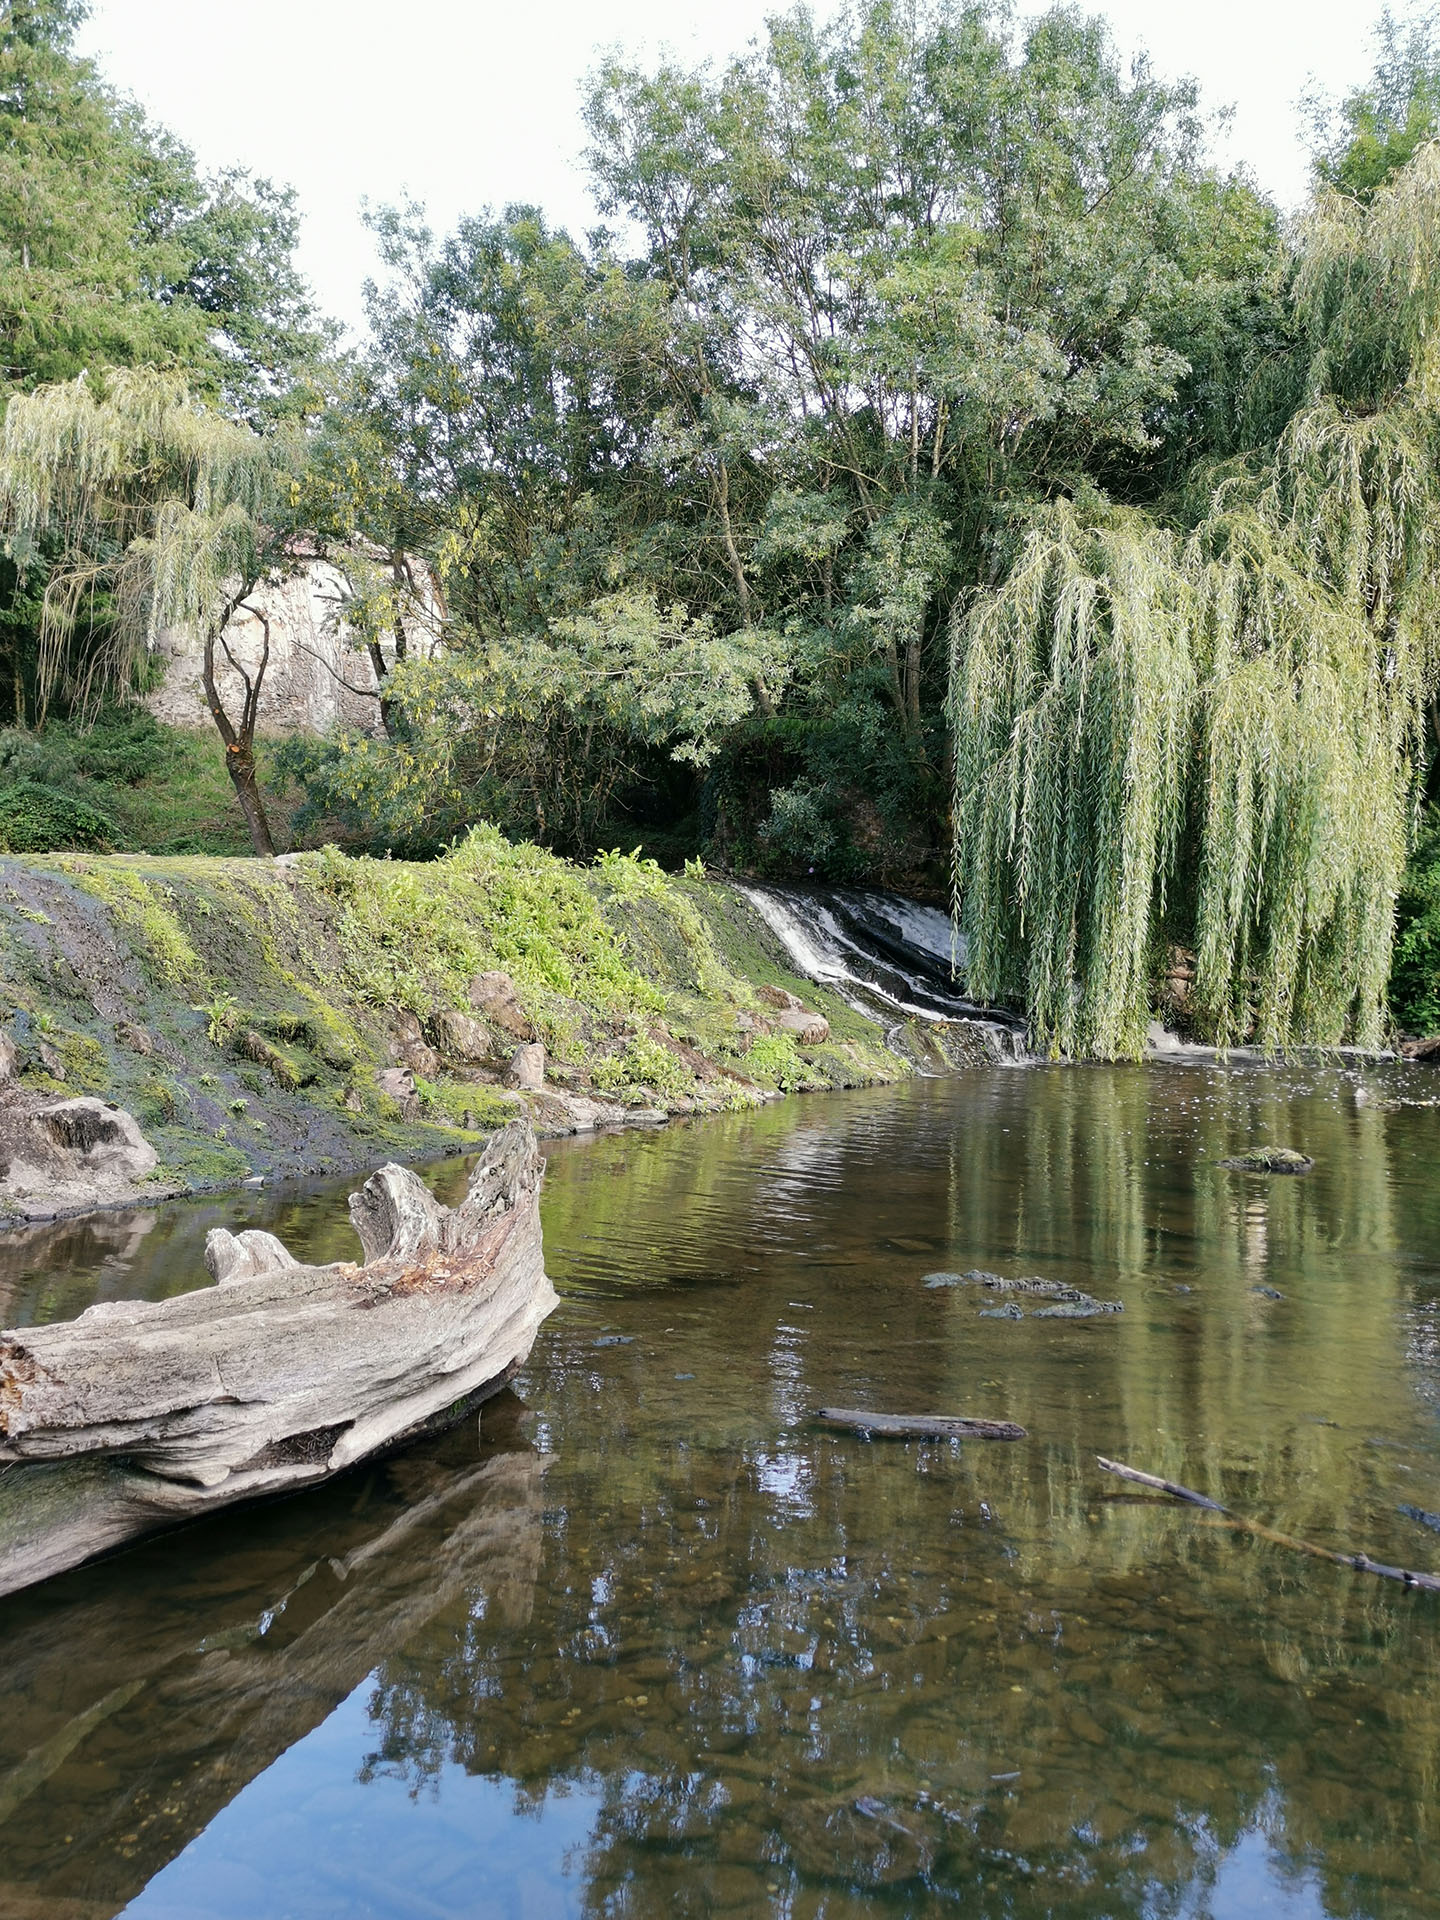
(738, 1664)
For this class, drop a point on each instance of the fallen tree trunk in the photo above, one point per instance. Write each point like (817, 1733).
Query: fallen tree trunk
(1360, 1562)
(920, 1426)
(140, 1414)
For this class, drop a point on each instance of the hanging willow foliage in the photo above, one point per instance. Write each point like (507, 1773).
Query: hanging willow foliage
(1216, 734)
(150, 508)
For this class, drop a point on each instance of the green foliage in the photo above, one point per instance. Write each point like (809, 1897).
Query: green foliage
(1377, 129)
(642, 1067)
(1415, 971)
(1221, 731)
(116, 253)
(701, 513)
(35, 818)
(773, 1060)
(163, 789)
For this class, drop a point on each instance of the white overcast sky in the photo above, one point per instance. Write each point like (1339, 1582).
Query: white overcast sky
(472, 103)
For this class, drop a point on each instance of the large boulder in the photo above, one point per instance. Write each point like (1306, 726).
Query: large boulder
(409, 1046)
(61, 1156)
(399, 1084)
(494, 995)
(779, 997)
(462, 1037)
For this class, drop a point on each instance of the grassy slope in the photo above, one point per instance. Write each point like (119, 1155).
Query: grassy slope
(640, 985)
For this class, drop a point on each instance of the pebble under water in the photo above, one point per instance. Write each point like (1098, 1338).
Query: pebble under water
(650, 1641)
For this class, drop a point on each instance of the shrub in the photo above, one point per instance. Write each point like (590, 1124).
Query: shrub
(35, 818)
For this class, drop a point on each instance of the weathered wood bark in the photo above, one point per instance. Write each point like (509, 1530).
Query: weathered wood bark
(140, 1414)
(920, 1426)
(1360, 1562)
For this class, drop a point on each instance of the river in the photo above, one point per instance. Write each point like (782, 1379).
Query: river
(649, 1641)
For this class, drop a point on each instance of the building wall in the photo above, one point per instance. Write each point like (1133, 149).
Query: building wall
(316, 680)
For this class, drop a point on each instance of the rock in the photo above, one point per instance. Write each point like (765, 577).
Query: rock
(780, 997)
(462, 1036)
(315, 681)
(1269, 1160)
(494, 995)
(526, 1071)
(575, 1112)
(810, 1029)
(410, 1047)
(244, 1256)
(287, 1072)
(135, 1038)
(61, 1156)
(7, 1059)
(399, 1084)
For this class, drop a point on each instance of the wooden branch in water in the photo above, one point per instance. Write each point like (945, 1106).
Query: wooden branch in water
(1171, 1487)
(920, 1426)
(1359, 1562)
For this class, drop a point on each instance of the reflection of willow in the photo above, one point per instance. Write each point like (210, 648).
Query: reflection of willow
(140, 1696)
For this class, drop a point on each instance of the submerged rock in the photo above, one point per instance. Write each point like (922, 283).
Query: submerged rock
(1431, 1520)
(1269, 1160)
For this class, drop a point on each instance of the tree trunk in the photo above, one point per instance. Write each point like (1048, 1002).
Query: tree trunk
(143, 1413)
(240, 765)
(239, 741)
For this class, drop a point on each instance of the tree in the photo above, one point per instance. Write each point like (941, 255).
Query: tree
(1213, 725)
(160, 512)
(113, 252)
(898, 278)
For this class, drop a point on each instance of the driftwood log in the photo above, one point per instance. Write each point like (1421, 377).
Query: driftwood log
(140, 1414)
(1360, 1562)
(920, 1426)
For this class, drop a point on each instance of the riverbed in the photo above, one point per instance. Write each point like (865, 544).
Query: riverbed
(647, 1640)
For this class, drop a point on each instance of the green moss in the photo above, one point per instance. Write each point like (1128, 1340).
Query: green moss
(147, 911)
(87, 1070)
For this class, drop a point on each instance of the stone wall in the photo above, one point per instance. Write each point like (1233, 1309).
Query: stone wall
(317, 678)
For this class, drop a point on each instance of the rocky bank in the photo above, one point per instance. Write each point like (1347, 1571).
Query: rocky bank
(173, 1025)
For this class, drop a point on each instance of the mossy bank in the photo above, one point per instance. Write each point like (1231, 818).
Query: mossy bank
(320, 1013)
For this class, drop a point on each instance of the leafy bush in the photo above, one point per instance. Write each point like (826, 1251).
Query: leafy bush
(36, 818)
(1415, 968)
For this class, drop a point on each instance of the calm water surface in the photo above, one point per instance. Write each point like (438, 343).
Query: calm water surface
(650, 1642)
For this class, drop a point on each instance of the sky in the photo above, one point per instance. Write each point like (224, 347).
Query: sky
(464, 104)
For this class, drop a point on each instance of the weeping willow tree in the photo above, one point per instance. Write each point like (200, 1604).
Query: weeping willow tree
(1214, 731)
(152, 511)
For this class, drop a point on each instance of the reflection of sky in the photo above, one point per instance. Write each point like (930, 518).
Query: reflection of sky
(306, 1840)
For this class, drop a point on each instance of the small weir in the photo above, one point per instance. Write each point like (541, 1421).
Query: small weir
(891, 958)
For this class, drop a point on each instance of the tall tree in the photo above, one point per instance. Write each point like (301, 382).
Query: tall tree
(1210, 724)
(160, 512)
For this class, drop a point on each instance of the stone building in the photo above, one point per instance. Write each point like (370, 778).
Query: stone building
(318, 677)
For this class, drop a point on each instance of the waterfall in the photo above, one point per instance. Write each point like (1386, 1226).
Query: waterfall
(885, 955)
